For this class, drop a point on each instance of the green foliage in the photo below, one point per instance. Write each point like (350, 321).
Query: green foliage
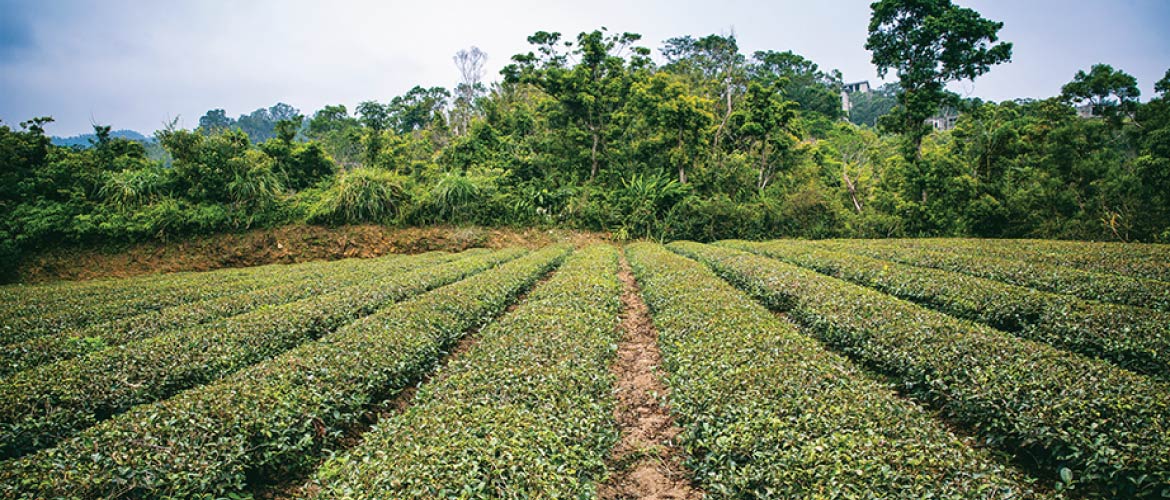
(269, 286)
(588, 93)
(680, 121)
(756, 141)
(1131, 337)
(88, 390)
(1110, 429)
(459, 197)
(267, 403)
(299, 166)
(767, 412)
(929, 43)
(1110, 93)
(799, 80)
(867, 108)
(260, 125)
(1139, 292)
(766, 125)
(362, 195)
(527, 412)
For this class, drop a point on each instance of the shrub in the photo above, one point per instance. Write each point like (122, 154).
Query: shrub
(95, 387)
(1086, 285)
(525, 413)
(1088, 423)
(276, 285)
(280, 415)
(1131, 337)
(362, 195)
(769, 413)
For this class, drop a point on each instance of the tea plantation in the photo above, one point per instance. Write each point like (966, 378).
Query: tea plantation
(927, 368)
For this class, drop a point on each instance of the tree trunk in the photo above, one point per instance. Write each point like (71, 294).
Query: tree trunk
(593, 156)
(722, 124)
(682, 173)
(764, 178)
(852, 188)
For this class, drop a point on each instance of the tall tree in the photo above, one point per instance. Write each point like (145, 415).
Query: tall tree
(331, 118)
(375, 117)
(590, 91)
(800, 80)
(215, 121)
(470, 63)
(418, 108)
(260, 125)
(1110, 93)
(928, 44)
(715, 66)
(865, 108)
(678, 118)
(765, 122)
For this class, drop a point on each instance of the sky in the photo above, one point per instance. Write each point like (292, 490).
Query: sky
(138, 64)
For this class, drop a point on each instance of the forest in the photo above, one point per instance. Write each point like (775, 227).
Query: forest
(703, 141)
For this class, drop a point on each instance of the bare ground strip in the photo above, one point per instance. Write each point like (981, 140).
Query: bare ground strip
(645, 463)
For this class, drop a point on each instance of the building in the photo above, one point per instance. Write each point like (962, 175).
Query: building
(849, 88)
(862, 86)
(944, 120)
(1084, 110)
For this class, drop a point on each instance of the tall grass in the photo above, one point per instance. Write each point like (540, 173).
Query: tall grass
(362, 195)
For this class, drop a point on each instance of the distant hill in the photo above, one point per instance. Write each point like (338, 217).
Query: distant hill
(84, 139)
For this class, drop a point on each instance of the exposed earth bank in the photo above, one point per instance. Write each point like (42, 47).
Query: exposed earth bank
(287, 245)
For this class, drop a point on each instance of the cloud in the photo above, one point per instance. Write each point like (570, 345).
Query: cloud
(137, 63)
(15, 36)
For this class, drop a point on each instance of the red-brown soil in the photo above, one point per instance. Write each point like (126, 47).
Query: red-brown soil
(646, 464)
(288, 244)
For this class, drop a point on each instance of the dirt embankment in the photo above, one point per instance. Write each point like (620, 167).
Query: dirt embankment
(289, 244)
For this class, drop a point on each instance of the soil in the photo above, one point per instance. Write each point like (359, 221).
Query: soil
(646, 464)
(285, 245)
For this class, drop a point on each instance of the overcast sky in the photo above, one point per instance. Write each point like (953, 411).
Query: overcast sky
(136, 64)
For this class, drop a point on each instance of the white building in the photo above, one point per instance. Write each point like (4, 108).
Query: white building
(944, 120)
(849, 88)
(1084, 110)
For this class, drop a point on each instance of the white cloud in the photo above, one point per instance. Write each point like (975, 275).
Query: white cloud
(133, 64)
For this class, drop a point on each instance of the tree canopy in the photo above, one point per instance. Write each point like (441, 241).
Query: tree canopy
(589, 132)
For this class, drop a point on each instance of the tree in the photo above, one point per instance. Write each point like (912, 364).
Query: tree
(339, 134)
(1110, 93)
(866, 108)
(215, 121)
(470, 63)
(260, 125)
(375, 117)
(331, 119)
(589, 92)
(800, 80)
(299, 165)
(930, 43)
(852, 145)
(765, 122)
(714, 65)
(1163, 86)
(680, 118)
(1153, 164)
(417, 109)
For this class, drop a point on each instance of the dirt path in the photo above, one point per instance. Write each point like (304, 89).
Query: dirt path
(645, 462)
